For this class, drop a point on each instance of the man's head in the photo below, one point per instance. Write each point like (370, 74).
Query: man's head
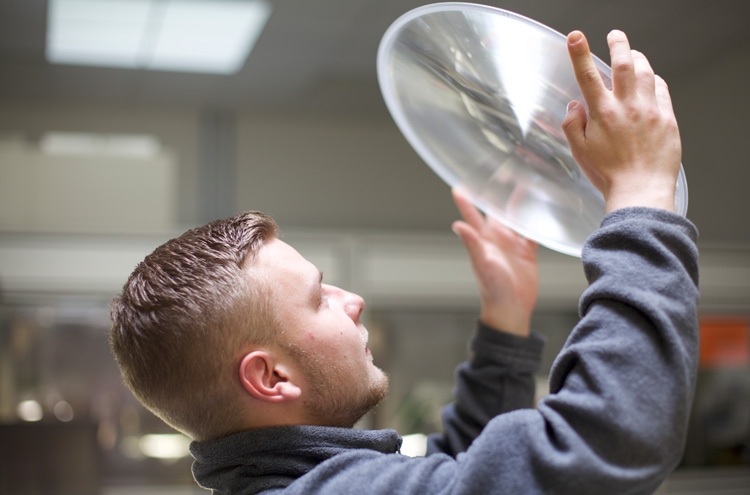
(212, 334)
(322, 338)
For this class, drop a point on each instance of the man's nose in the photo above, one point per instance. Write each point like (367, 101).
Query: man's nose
(353, 305)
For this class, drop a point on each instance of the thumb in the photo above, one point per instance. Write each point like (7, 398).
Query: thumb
(574, 125)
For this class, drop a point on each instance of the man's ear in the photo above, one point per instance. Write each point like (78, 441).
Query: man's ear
(266, 379)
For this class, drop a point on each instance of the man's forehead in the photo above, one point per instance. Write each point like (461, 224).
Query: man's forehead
(279, 256)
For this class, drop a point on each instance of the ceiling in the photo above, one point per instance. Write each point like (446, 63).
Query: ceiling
(318, 57)
(320, 54)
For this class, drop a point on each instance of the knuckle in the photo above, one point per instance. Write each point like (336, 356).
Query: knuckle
(632, 111)
(643, 69)
(568, 123)
(653, 116)
(622, 66)
(645, 78)
(607, 113)
(588, 75)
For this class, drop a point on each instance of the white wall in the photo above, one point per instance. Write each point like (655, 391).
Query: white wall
(81, 194)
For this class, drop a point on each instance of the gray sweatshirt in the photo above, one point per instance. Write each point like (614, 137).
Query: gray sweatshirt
(614, 422)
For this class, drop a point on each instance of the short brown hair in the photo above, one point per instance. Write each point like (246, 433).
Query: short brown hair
(183, 317)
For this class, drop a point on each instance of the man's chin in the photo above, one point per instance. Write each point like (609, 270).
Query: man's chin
(345, 412)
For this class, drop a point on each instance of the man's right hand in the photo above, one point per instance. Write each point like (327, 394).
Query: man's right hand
(505, 267)
(629, 146)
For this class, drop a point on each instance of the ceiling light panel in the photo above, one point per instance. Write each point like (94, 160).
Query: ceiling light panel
(88, 32)
(213, 36)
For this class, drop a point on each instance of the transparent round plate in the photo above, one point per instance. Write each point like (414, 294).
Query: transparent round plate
(480, 93)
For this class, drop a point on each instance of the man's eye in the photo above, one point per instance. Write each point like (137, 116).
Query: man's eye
(323, 298)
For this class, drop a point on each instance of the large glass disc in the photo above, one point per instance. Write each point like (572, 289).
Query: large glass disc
(480, 93)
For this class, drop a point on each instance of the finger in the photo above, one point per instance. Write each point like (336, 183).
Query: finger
(508, 239)
(498, 234)
(663, 99)
(501, 233)
(644, 76)
(468, 211)
(623, 72)
(585, 70)
(472, 242)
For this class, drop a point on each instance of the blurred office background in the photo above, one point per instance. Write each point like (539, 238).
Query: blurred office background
(98, 165)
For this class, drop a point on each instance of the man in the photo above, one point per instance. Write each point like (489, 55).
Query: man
(230, 336)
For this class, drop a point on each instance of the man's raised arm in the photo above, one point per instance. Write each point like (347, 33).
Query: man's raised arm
(505, 355)
(623, 383)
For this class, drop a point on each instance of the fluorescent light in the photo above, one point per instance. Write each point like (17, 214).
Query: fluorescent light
(212, 36)
(165, 446)
(414, 445)
(86, 143)
(87, 32)
(209, 36)
(30, 410)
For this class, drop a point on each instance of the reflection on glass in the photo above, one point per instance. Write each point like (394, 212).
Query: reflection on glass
(480, 93)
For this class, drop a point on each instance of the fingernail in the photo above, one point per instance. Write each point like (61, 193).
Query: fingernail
(573, 104)
(575, 37)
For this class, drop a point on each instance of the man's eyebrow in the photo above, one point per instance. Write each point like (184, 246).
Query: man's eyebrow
(315, 287)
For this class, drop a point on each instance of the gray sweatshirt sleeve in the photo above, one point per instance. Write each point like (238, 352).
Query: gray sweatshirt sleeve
(622, 386)
(498, 378)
